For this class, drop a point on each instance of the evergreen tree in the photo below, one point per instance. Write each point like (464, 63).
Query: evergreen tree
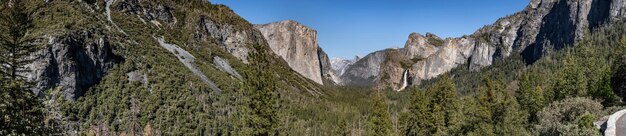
(498, 111)
(20, 110)
(380, 119)
(571, 81)
(619, 75)
(342, 129)
(415, 121)
(15, 41)
(530, 96)
(261, 102)
(602, 89)
(444, 106)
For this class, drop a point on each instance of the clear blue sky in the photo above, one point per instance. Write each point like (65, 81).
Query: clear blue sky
(346, 28)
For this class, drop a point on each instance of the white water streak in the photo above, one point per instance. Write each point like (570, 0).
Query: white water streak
(405, 82)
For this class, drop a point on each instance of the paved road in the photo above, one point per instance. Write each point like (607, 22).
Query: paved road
(621, 126)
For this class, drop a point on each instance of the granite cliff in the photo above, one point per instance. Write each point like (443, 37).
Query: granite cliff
(297, 45)
(543, 24)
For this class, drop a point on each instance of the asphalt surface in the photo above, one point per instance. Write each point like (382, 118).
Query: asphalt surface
(620, 125)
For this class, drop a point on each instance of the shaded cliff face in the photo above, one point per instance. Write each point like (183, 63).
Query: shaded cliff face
(297, 45)
(329, 75)
(72, 63)
(71, 58)
(365, 71)
(542, 25)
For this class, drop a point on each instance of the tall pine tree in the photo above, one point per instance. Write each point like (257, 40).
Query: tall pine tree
(571, 80)
(15, 41)
(259, 109)
(497, 112)
(20, 110)
(530, 96)
(415, 121)
(445, 108)
(380, 119)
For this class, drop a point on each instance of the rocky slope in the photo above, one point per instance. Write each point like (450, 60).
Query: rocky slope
(365, 71)
(79, 51)
(297, 45)
(73, 62)
(339, 65)
(329, 75)
(543, 24)
(103, 65)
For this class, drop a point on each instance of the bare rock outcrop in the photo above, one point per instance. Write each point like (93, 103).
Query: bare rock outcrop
(297, 45)
(340, 65)
(235, 37)
(542, 25)
(188, 61)
(223, 65)
(419, 46)
(328, 73)
(236, 41)
(365, 71)
(72, 63)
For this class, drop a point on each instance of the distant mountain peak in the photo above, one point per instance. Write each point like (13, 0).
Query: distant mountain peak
(339, 64)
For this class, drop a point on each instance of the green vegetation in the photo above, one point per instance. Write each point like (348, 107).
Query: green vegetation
(571, 116)
(259, 110)
(435, 41)
(21, 113)
(380, 118)
(414, 122)
(561, 94)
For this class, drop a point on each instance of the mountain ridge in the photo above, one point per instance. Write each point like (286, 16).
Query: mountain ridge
(528, 32)
(189, 67)
(297, 45)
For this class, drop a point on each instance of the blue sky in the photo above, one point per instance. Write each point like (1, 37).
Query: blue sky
(346, 28)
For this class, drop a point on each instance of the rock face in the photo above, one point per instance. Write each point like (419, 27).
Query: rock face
(543, 24)
(618, 9)
(365, 71)
(328, 73)
(229, 36)
(339, 65)
(233, 40)
(71, 63)
(225, 66)
(296, 44)
(419, 46)
(453, 53)
(189, 61)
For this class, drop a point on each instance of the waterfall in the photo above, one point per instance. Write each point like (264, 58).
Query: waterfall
(405, 81)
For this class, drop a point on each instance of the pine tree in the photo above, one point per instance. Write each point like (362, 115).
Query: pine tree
(15, 42)
(619, 75)
(530, 96)
(259, 111)
(496, 112)
(571, 81)
(444, 107)
(414, 122)
(602, 88)
(380, 118)
(20, 110)
(505, 113)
